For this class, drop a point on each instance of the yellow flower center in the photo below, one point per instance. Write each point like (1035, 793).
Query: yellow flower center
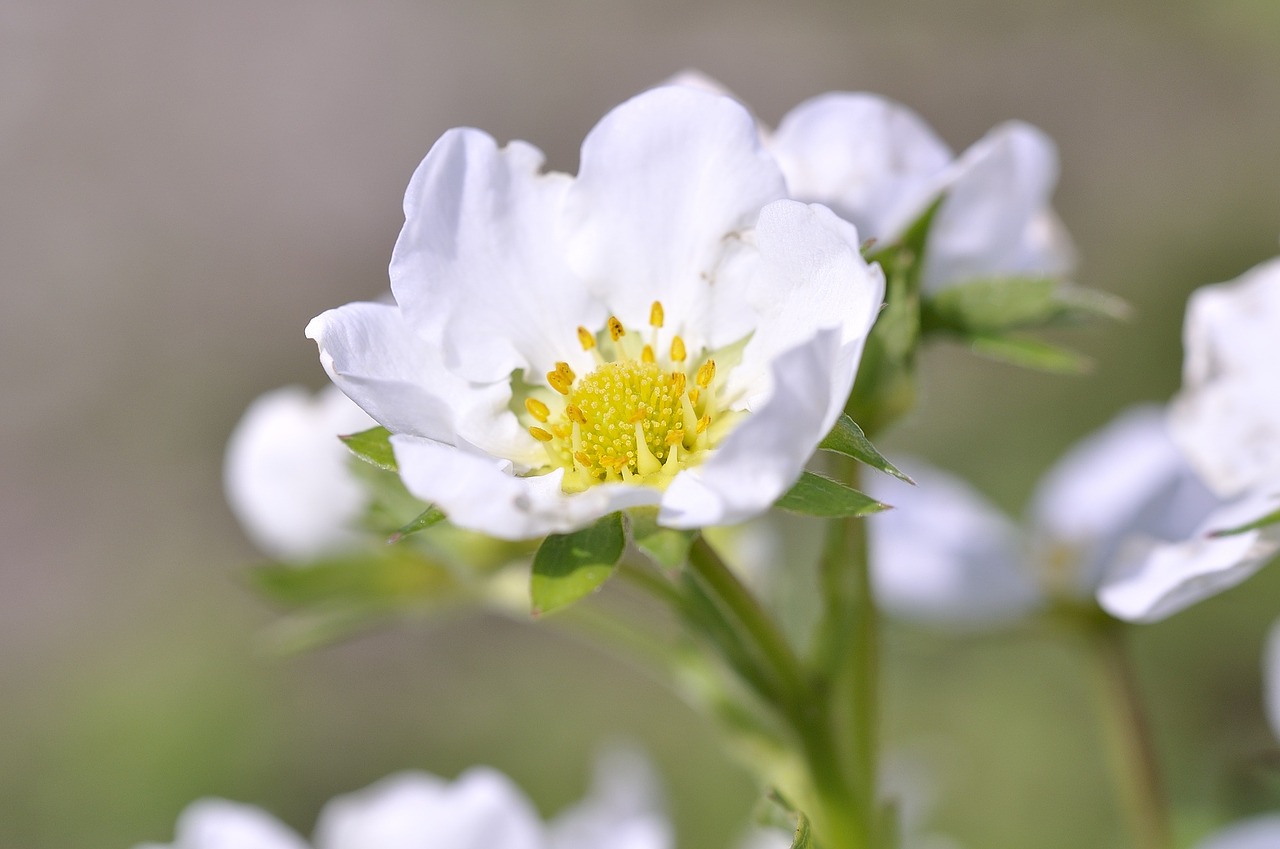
(637, 417)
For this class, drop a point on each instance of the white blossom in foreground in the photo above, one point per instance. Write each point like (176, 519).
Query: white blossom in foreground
(1227, 416)
(481, 809)
(880, 166)
(666, 328)
(1121, 515)
(288, 477)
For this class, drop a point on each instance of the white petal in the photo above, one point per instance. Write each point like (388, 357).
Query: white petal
(287, 476)
(480, 264)
(770, 838)
(481, 494)
(946, 554)
(218, 824)
(1258, 833)
(622, 811)
(872, 160)
(765, 454)
(1151, 581)
(1271, 678)
(394, 374)
(482, 809)
(808, 275)
(1227, 417)
(1126, 479)
(996, 219)
(664, 179)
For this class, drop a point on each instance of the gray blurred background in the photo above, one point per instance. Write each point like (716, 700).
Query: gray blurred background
(186, 184)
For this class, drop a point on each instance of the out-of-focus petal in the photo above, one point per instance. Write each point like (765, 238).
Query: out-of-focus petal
(219, 824)
(1258, 833)
(624, 809)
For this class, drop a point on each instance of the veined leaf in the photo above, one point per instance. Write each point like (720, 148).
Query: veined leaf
(372, 446)
(848, 439)
(431, 516)
(570, 566)
(815, 495)
(999, 304)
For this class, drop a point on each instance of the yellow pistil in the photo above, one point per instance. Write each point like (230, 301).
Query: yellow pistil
(537, 409)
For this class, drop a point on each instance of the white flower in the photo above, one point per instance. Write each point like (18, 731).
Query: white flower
(542, 321)
(877, 164)
(481, 809)
(287, 476)
(1227, 416)
(1261, 832)
(1121, 515)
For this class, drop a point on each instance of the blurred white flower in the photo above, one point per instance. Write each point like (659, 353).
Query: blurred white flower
(665, 328)
(880, 166)
(1227, 416)
(288, 477)
(481, 809)
(1258, 833)
(1121, 515)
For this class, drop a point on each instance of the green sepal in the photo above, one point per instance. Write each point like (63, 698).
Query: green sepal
(848, 439)
(431, 516)
(1257, 524)
(815, 495)
(802, 839)
(570, 566)
(373, 446)
(1028, 352)
(782, 809)
(668, 547)
(999, 304)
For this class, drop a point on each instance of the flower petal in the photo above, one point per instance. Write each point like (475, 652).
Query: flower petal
(622, 811)
(945, 553)
(1126, 479)
(1227, 416)
(482, 809)
(288, 477)
(481, 494)
(480, 262)
(760, 459)
(996, 221)
(807, 274)
(219, 824)
(1257, 833)
(664, 179)
(1150, 580)
(875, 162)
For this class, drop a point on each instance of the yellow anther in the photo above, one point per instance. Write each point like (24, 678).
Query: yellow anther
(540, 434)
(655, 314)
(694, 395)
(638, 416)
(559, 382)
(616, 330)
(562, 431)
(616, 463)
(706, 373)
(582, 459)
(678, 352)
(674, 436)
(704, 423)
(537, 409)
(563, 368)
(575, 414)
(647, 354)
(586, 339)
(678, 381)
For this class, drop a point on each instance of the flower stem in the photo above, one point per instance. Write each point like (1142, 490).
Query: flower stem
(1131, 749)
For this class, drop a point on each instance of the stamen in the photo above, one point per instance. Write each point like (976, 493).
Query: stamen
(616, 330)
(638, 416)
(586, 339)
(540, 434)
(704, 423)
(583, 459)
(694, 394)
(674, 437)
(678, 382)
(678, 352)
(574, 413)
(655, 314)
(646, 355)
(562, 378)
(706, 373)
(537, 409)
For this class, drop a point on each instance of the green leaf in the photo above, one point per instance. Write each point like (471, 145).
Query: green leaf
(570, 566)
(384, 577)
(848, 439)
(1030, 353)
(431, 516)
(802, 839)
(815, 495)
(994, 305)
(372, 446)
(668, 547)
(1262, 522)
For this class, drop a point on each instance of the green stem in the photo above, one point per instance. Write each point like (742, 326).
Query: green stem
(1130, 748)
